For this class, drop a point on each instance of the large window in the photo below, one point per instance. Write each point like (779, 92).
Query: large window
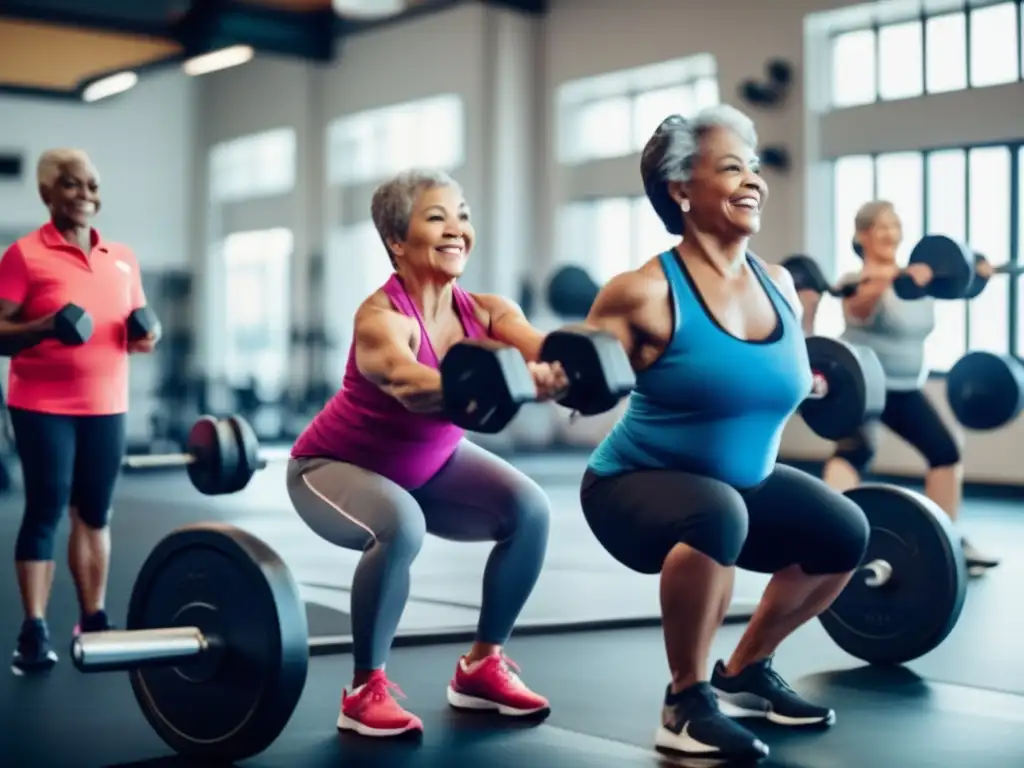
(963, 193)
(253, 166)
(613, 115)
(369, 146)
(256, 308)
(608, 236)
(973, 48)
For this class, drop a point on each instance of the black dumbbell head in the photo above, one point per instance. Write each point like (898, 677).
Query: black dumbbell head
(599, 371)
(142, 322)
(484, 385)
(72, 325)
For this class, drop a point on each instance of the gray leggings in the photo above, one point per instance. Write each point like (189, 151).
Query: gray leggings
(475, 497)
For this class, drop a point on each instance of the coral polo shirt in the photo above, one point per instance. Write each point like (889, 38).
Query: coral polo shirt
(42, 272)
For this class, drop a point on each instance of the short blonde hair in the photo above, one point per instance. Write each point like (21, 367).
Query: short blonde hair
(52, 162)
(868, 214)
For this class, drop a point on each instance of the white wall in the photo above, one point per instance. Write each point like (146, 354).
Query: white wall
(142, 143)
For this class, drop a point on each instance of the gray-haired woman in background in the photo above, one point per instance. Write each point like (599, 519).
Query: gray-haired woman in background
(896, 331)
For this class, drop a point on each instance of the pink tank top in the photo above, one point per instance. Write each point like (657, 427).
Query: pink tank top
(365, 426)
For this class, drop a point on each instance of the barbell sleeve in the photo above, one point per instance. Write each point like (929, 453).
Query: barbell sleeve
(877, 573)
(158, 460)
(118, 650)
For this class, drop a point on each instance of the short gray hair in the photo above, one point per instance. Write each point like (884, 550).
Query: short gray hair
(52, 162)
(393, 201)
(671, 153)
(868, 214)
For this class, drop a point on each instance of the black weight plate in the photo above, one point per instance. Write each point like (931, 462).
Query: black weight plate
(484, 385)
(916, 610)
(571, 291)
(978, 283)
(231, 703)
(248, 447)
(205, 446)
(951, 261)
(845, 406)
(985, 390)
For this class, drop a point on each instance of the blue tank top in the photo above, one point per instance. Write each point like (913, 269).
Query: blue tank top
(712, 404)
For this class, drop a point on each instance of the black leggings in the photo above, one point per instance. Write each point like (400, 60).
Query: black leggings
(791, 518)
(911, 416)
(65, 460)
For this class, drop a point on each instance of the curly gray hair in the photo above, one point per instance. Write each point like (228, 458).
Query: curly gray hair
(671, 152)
(393, 201)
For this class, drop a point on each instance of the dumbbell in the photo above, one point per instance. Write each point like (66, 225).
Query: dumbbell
(980, 281)
(141, 323)
(985, 390)
(485, 383)
(849, 388)
(72, 326)
(221, 456)
(216, 644)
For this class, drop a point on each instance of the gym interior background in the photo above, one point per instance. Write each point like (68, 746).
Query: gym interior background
(244, 191)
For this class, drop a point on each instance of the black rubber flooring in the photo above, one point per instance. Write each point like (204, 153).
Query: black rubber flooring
(605, 689)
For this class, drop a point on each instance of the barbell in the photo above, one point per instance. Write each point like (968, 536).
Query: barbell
(216, 641)
(952, 264)
(985, 390)
(980, 281)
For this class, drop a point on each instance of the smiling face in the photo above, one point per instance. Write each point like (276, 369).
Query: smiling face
(73, 196)
(882, 237)
(440, 235)
(726, 193)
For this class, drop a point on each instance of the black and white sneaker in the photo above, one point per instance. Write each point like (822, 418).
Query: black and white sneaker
(693, 727)
(977, 561)
(34, 653)
(760, 691)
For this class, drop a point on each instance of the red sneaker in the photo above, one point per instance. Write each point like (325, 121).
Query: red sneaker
(371, 710)
(492, 684)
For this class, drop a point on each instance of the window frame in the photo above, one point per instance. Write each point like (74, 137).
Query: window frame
(1016, 240)
(968, 10)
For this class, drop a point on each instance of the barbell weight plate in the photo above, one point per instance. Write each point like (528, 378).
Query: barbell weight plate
(806, 274)
(951, 261)
(985, 390)
(912, 613)
(247, 446)
(596, 364)
(572, 291)
(856, 388)
(205, 445)
(978, 282)
(485, 384)
(232, 702)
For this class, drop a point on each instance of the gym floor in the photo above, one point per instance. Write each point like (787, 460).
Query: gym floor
(962, 703)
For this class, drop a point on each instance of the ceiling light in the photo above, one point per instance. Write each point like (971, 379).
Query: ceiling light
(216, 60)
(109, 86)
(368, 9)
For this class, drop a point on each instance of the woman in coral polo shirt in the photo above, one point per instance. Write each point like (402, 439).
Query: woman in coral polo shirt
(67, 402)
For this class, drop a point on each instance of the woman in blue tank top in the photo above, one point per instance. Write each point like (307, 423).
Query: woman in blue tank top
(686, 484)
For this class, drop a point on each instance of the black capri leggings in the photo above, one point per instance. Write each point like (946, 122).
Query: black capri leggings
(791, 518)
(911, 416)
(65, 460)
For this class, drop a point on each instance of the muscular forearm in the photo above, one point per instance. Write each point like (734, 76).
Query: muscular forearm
(416, 387)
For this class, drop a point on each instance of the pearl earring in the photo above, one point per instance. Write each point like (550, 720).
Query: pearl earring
(685, 206)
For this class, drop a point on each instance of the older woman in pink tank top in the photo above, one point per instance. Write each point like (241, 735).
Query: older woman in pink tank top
(380, 466)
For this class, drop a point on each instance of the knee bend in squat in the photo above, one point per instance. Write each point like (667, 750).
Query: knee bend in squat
(527, 515)
(840, 548)
(717, 533)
